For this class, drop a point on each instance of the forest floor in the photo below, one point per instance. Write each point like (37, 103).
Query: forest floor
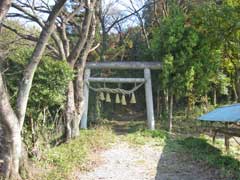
(135, 156)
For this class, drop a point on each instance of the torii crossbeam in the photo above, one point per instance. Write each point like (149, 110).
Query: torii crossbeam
(146, 66)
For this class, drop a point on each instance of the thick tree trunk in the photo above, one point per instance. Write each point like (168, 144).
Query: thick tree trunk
(79, 99)
(10, 139)
(79, 83)
(12, 134)
(10, 154)
(73, 106)
(16, 147)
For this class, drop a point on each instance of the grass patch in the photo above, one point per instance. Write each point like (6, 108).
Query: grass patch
(142, 137)
(61, 161)
(200, 149)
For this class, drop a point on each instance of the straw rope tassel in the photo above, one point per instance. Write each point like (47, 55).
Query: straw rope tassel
(124, 100)
(102, 98)
(117, 100)
(108, 98)
(133, 99)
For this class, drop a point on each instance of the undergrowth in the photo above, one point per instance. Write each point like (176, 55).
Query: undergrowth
(201, 149)
(59, 162)
(143, 137)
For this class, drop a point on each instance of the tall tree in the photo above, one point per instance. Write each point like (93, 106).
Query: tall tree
(12, 119)
(72, 42)
(222, 32)
(185, 54)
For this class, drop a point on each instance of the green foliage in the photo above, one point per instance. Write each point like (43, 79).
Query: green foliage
(185, 54)
(199, 49)
(220, 26)
(50, 80)
(46, 96)
(10, 41)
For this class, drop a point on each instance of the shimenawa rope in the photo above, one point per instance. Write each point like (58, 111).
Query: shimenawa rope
(115, 90)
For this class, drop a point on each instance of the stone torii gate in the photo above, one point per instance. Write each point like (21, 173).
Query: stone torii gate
(132, 65)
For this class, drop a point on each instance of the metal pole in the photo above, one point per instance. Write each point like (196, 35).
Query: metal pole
(149, 99)
(86, 96)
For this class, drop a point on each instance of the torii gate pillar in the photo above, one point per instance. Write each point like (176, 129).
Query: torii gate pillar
(149, 99)
(87, 74)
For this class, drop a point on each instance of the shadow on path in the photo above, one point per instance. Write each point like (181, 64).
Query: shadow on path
(177, 162)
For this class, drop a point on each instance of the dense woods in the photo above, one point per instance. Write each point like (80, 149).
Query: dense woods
(44, 47)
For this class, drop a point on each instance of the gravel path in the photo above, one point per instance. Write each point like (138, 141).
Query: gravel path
(125, 162)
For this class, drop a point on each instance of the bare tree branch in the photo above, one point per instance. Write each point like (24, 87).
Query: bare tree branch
(24, 36)
(127, 16)
(83, 37)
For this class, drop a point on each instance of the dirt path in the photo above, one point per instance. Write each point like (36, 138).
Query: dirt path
(125, 162)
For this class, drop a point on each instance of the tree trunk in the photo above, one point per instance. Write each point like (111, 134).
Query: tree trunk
(26, 82)
(73, 113)
(12, 134)
(214, 96)
(158, 104)
(170, 115)
(4, 7)
(79, 101)
(74, 55)
(104, 45)
(190, 103)
(166, 101)
(15, 149)
(10, 137)
(235, 92)
(79, 83)
(10, 153)
(70, 110)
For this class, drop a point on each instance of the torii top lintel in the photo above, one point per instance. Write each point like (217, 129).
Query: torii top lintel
(124, 65)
